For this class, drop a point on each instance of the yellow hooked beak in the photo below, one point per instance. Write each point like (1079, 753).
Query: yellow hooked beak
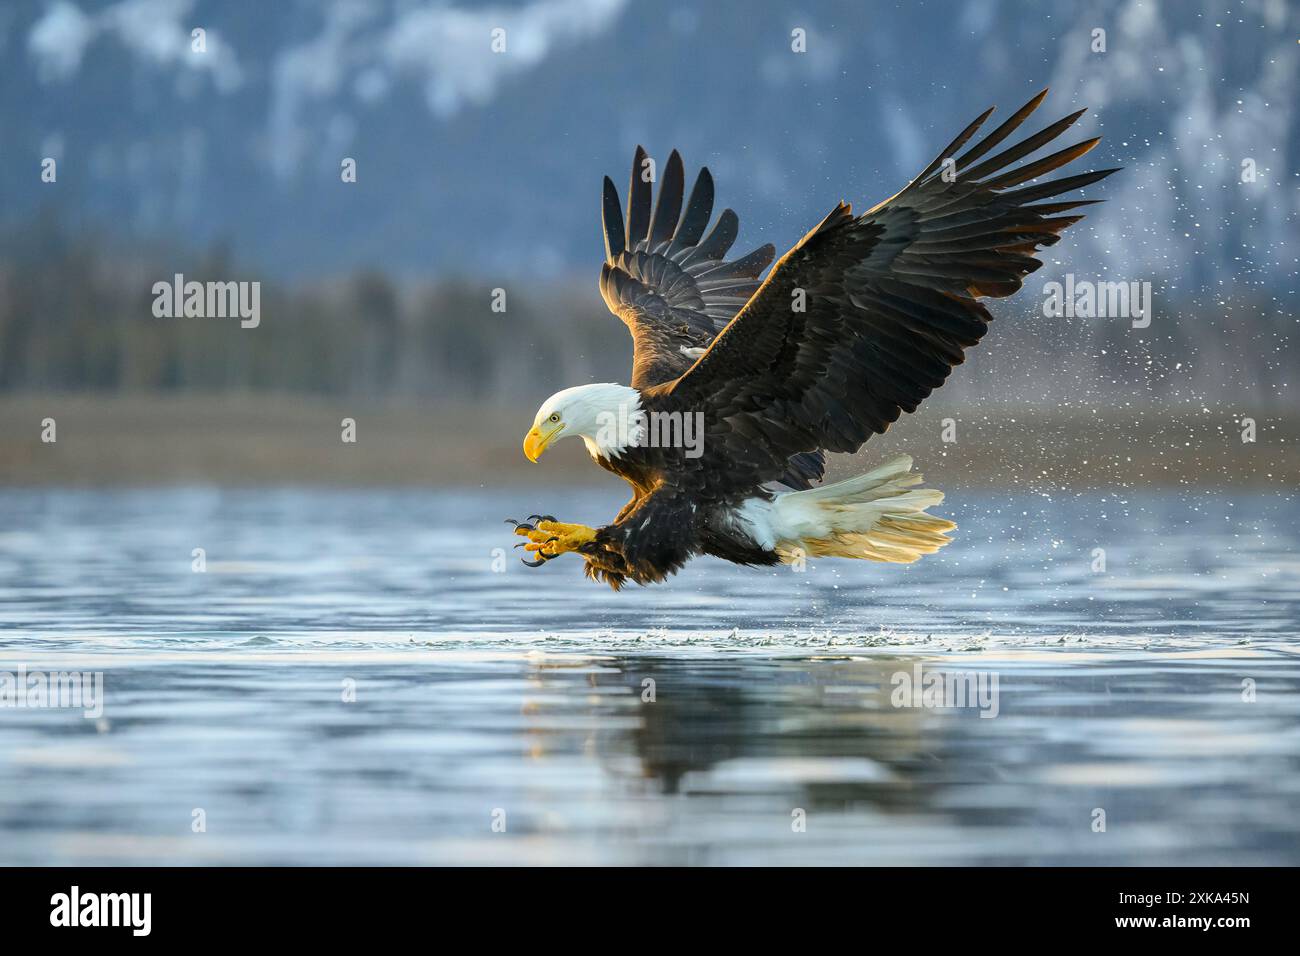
(539, 437)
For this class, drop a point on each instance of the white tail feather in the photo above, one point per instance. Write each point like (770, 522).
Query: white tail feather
(879, 516)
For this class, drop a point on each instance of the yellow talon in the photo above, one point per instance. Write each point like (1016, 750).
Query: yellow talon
(553, 538)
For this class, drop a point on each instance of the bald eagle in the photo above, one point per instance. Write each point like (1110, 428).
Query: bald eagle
(741, 385)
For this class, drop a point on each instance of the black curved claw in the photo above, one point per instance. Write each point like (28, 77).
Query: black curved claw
(541, 517)
(512, 521)
(521, 544)
(542, 556)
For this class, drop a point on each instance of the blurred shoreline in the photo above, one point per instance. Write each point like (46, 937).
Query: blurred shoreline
(266, 439)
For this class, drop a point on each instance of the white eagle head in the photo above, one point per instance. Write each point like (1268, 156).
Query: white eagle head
(606, 416)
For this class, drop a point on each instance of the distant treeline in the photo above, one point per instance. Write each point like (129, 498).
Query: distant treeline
(76, 314)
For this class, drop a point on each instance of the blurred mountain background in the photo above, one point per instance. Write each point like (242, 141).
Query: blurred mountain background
(480, 170)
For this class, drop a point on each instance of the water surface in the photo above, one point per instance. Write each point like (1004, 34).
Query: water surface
(362, 677)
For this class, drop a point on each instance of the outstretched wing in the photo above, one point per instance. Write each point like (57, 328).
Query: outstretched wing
(669, 282)
(673, 286)
(868, 314)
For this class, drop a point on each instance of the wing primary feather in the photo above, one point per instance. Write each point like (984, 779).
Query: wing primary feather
(638, 201)
(951, 148)
(698, 210)
(1051, 208)
(1023, 148)
(1057, 186)
(1023, 174)
(611, 218)
(669, 206)
(1001, 133)
(718, 241)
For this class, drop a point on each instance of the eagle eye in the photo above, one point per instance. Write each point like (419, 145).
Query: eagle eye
(554, 418)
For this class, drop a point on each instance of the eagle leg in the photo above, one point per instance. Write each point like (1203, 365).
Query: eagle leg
(603, 564)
